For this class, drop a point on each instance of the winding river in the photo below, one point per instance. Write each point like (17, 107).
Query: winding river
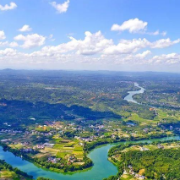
(102, 167)
(130, 95)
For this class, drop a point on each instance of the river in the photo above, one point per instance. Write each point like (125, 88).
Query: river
(102, 167)
(130, 95)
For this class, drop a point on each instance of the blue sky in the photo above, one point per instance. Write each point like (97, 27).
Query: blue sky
(132, 35)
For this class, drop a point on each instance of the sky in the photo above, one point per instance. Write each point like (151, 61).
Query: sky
(115, 35)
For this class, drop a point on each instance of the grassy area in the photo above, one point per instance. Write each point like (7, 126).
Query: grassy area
(142, 121)
(127, 177)
(6, 174)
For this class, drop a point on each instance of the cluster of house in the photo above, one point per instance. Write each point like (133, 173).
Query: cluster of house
(27, 150)
(87, 139)
(25, 143)
(53, 159)
(97, 127)
(72, 159)
(160, 146)
(47, 134)
(146, 130)
(9, 131)
(39, 146)
(33, 132)
(42, 146)
(5, 140)
(144, 149)
(56, 126)
(113, 136)
(171, 128)
(136, 175)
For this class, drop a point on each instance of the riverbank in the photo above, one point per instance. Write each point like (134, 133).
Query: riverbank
(73, 169)
(99, 156)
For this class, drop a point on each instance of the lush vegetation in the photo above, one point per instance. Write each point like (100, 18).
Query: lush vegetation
(158, 164)
(54, 118)
(153, 161)
(8, 172)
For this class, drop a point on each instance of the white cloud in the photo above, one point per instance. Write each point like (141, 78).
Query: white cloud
(132, 25)
(14, 59)
(163, 43)
(97, 44)
(25, 28)
(2, 44)
(61, 8)
(2, 35)
(92, 44)
(8, 52)
(143, 59)
(164, 33)
(127, 46)
(135, 26)
(7, 44)
(93, 50)
(51, 37)
(13, 44)
(132, 46)
(8, 7)
(143, 55)
(30, 41)
(155, 33)
(172, 58)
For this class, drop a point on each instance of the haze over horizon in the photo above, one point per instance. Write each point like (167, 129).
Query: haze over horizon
(115, 35)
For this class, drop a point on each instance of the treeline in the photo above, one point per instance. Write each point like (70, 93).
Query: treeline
(117, 149)
(6, 166)
(158, 164)
(65, 168)
(92, 145)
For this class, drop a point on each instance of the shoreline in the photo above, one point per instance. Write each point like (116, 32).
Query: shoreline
(115, 143)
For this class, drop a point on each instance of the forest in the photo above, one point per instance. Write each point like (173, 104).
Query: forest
(158, 163)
